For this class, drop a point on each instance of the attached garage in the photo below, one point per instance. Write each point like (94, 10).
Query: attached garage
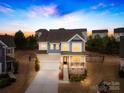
(49, 62)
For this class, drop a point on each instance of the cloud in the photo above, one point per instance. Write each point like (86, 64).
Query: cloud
(43, 10)
(5, 4)
(5, 8)
(99, 5)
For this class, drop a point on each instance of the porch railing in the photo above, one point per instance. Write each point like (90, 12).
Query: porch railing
(77, 64)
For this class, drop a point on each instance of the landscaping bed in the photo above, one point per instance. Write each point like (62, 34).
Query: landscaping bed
(5, 80)
(78, 77)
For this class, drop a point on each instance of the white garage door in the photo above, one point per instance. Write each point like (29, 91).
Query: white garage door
(49, 62)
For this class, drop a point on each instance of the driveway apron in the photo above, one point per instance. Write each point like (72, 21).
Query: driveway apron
(45, 82)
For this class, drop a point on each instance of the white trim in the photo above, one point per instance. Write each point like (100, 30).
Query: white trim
(3, 43)
(75, 36)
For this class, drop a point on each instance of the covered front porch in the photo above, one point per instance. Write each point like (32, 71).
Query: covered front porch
(76, 63)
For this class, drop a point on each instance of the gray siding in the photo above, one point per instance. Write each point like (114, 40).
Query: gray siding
(76, 39)
(2, 57)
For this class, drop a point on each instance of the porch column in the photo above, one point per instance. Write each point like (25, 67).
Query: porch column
(65, 73)
(69, 61)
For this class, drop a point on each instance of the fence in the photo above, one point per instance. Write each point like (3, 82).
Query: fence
(95, 58)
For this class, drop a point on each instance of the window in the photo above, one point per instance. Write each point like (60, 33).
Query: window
(51, 46)
(75, 58)
(9, 51)
(43, 46)
(76, 47)
(65, 46)
(54, 46)
(57, 46)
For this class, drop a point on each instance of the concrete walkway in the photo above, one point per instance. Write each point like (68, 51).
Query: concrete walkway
(44, 82)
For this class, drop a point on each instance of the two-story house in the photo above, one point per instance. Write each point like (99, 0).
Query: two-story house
(62, 46)
(118, 32)
(7, 46)
(101, 33)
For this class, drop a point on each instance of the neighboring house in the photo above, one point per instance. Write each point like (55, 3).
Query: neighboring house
(101, 33)
(122, 53)
(62, 46)
(7, 46)
(118, 32)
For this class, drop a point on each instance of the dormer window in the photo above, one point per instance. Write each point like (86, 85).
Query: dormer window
(39, 34)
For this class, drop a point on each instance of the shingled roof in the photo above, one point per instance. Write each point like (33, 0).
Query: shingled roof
(100, 31)
(8, 40)
(58, 35)
(119, 30)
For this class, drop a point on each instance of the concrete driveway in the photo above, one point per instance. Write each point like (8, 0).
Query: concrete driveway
(46, 81)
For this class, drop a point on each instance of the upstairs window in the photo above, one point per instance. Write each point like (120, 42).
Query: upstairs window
(65, 47)
(76, 47)
(51, 46)
(54, 46)
(57, 46)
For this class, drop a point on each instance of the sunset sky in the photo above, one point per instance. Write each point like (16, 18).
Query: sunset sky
(31, 15)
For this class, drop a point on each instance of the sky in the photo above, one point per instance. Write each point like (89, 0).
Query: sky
(31, 15)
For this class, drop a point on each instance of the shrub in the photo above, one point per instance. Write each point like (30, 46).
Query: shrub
(16, 67)
(78, 78)
(5, 82)
(37, 65)
(3, 76)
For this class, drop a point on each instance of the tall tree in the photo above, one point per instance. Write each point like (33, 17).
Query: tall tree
(31, 42)
(103, 45)
(20, 40)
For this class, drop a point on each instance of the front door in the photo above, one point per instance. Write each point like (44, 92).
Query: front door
(65, 59)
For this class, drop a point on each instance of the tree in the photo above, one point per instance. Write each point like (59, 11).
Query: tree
(103, 45)
(20, 40)
(31, 42)
(89, 44)
(97, 43)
